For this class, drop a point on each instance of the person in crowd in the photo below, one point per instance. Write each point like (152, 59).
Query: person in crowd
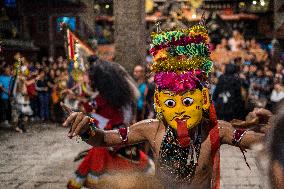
(71, 100)
(50, 60)
(278, 78)
(5, 85)
(277, 94)
(44, 60)
(57, 96)
(224, 44)
(149, 58)
(54, 66)
(260, 54)
(38, 66)
(65, 64)
(30, 82)
(149, 98)
(42, 90)
(244, 75)
(213, 81)
(260, 88)
(271, 84)
(139, 76)
(59, 60)
(245, 84)
(222, 51)
(252, 70)
(236, 42)
(211, 45)
(22, 104)
(227, 95)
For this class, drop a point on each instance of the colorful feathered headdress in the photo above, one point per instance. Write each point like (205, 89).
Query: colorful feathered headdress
(181, 58)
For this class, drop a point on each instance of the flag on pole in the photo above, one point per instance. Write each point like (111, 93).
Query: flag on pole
(71, 44)
(78, 50)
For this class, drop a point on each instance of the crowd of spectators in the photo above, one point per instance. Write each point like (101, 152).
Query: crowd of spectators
(32, 89)
(242, 68)
(243, 77)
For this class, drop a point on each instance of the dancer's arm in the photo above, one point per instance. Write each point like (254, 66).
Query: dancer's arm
(80, 124)
(113, 138)
(248, 137)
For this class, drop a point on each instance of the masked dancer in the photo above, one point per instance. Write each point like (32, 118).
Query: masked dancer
(186, 136)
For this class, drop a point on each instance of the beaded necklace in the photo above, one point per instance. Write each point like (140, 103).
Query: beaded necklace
(176, 163)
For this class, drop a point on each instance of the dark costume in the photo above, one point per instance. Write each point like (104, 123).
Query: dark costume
(227, 95)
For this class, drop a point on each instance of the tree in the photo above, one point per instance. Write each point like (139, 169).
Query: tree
(130, 45)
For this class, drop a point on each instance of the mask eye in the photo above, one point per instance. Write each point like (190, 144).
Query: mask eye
(187, 101)
(170, 103)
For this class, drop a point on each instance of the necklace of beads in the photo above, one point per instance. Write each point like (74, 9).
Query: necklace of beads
(176, 163)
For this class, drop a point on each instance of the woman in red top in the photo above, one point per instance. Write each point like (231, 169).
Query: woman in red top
(113, 107)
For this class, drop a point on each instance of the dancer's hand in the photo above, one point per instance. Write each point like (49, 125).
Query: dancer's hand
(263, 114)
(78, 121)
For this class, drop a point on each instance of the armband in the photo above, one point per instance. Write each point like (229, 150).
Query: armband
(123, 133)
(237, 136)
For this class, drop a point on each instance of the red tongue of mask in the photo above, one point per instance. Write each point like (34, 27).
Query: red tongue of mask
(182, 133)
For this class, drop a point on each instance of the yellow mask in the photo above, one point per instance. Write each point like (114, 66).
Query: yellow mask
(182, 107)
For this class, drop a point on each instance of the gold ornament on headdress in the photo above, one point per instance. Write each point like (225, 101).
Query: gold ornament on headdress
(181, 50)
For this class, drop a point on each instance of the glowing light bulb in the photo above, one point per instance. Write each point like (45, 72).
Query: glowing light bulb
(262, 3)
(254, 2)
(107, 6)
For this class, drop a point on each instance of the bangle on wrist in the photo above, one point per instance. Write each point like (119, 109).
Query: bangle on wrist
(90, 131)
(123, 133)
(237, 136)
(93, 123)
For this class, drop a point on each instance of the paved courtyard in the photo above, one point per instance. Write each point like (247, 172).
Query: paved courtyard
(43, 158)
(235, 174)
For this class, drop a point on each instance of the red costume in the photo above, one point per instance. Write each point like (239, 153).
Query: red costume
(101, 160)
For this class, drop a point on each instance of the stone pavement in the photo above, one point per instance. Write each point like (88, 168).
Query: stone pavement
(43, 159)
(235, 174)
